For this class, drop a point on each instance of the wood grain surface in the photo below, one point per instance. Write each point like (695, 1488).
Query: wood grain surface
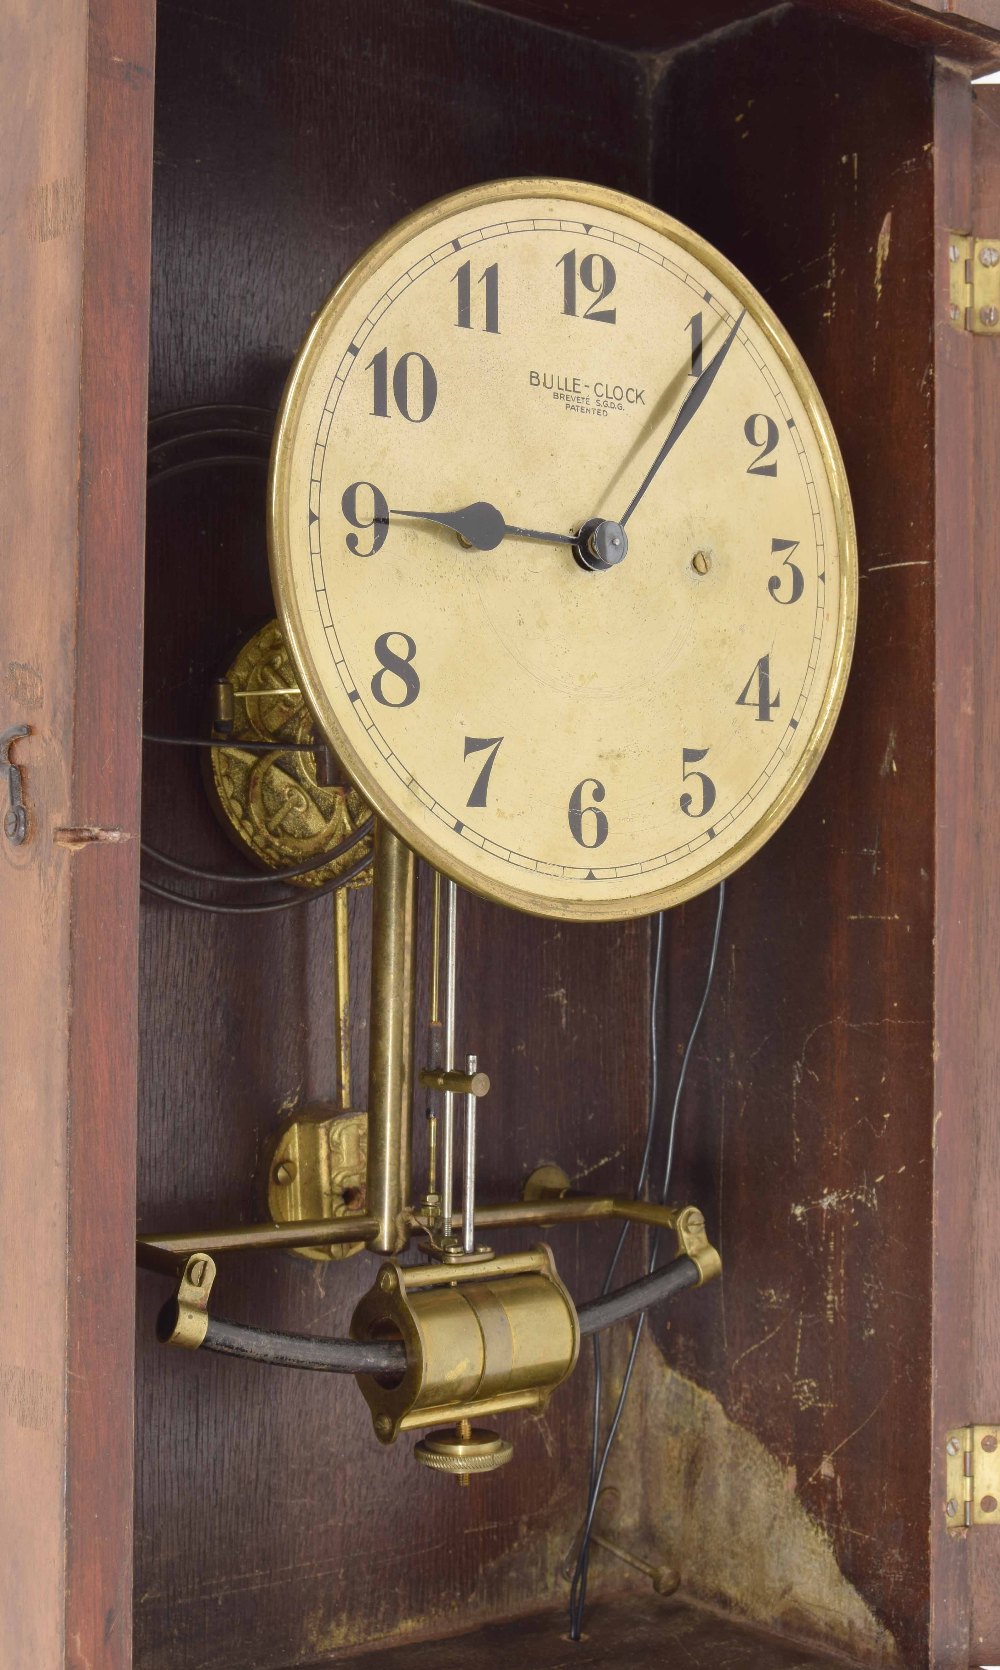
(270, 1526)
(75, 132)
(966, 1568)
(809, 1128)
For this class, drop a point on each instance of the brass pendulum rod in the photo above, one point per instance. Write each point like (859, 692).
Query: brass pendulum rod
(342, 1024)
(390, 1063)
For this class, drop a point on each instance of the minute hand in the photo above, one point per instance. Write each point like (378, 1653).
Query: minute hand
(692, 401)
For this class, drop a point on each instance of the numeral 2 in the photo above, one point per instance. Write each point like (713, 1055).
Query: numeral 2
(769, 442)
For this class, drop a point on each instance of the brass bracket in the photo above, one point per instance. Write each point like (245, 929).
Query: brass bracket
(318, 1171)
(973, 1477)
(974, 283)
(184, 1320)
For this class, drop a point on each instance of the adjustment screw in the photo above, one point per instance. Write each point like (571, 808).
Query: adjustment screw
(953, 1446)
(701, 562)
(383, 1425)
(284, 1173)
(989, 256)
(990, 315)
(387, 1281)
(952, 1508)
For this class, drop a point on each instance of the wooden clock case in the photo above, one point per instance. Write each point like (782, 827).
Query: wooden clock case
(172, 220)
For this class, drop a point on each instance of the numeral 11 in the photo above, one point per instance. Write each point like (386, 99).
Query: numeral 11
(491, 279)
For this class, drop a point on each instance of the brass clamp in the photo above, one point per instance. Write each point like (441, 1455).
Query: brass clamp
(183, 1320)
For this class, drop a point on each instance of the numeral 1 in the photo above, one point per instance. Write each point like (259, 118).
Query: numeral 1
(696, 327)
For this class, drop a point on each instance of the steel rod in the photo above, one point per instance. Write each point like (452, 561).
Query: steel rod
(448, 1116)
(469, 1164)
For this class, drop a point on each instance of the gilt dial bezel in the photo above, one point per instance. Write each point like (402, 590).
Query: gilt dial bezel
(393, 809)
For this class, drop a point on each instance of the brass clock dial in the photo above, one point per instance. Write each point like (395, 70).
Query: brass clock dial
(590, 724)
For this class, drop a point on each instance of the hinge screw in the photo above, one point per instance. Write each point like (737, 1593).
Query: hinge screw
(953, 252)
(953, 1446)
(952, 1508)
(989, 1442)
(990, 315)
(989, 256)
(956, 311)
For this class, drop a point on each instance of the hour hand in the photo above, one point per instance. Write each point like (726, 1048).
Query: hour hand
(482, 526)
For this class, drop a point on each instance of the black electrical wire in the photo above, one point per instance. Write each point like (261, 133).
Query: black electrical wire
(345, 846)
(303, 898)
(578, 1586)
(348, 1356)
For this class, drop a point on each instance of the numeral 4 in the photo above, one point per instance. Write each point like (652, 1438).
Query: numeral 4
(762, 700)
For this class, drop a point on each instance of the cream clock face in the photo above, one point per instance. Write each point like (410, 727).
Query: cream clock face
(589, 723)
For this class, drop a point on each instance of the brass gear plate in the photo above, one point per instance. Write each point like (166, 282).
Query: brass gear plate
(273, 803)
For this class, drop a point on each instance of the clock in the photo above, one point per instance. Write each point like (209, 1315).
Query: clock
(562, 547)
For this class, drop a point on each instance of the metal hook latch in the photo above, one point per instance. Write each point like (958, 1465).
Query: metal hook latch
(15, 823)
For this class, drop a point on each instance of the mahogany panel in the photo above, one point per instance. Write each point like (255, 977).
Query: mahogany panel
(271, 1528)
(76, 131)
(809, 1127)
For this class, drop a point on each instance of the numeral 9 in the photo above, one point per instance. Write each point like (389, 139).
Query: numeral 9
(378, 521)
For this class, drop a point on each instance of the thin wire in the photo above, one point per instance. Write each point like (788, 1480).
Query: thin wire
(578, 1587)
(232, 744)
(306, 898)
(358, 835)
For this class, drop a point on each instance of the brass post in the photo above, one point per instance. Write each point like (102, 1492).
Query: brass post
(343, 998)
(390, 1061)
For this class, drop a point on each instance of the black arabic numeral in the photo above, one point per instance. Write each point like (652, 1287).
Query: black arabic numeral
(396, 667)
(475, 745)
(402, 391)
(378, 521)
(798, 579)
(578, 811)
(696, 326)
(763, 701)
(491, 279)
(768, 443)
(691, 756)
(597, 275)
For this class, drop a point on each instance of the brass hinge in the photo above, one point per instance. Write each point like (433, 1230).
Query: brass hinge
(973, 1477)
(974, 268)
